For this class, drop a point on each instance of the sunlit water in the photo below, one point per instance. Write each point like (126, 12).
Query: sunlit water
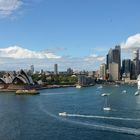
(36, 117)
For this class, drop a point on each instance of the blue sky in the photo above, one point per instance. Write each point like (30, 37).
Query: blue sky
(75, 33)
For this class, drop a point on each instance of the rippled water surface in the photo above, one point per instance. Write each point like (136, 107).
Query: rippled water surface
(36, 117)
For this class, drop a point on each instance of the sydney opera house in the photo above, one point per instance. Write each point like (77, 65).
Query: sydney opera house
(16, 80)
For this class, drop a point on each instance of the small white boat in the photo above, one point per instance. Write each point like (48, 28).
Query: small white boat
(78, 86)
(124, 91)
(107, 108)
(105, 94)
(100, 87)
(63, 114)
(137, 93)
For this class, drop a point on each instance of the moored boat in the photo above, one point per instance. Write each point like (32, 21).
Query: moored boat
(78, 86)
(107, 108)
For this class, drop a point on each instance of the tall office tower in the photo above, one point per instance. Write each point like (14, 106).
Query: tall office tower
(135, 67)
(126, 66)
(113, 71)
(55, 69)
(107, 63)
(103, 71)
(114, 56)
(136, 54)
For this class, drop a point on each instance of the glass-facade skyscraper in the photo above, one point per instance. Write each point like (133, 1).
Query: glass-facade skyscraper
(114, 56)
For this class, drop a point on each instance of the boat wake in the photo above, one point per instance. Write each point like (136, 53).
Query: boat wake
(49, 94)
(112, 128)
(101, 127)
(100, 117)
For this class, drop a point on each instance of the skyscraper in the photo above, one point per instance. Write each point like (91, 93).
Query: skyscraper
(103, 71)
(114, 56)
(126, 66)
(107, 63)
(135, 66)
(113, 71)
(55, 69)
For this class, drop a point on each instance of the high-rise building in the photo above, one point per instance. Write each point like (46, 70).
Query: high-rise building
(107, 63)
(103, 71)
(135, 66)
(126, 66)
(55, 69)
(114, 57)
(113, 71)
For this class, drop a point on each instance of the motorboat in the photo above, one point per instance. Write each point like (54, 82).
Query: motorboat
(63, 114)
(105, 94)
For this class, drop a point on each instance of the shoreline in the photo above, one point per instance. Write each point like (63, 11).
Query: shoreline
(66, 86)
(40, 88)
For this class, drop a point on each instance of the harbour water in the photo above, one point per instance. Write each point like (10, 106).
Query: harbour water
(36, 117)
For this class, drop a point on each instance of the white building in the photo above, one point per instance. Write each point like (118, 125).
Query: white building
(103, 71)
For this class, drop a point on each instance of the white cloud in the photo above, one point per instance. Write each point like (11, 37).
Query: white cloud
(94, 58)
(15, 57)
(7, 7)
(132, 42)
(22, 53)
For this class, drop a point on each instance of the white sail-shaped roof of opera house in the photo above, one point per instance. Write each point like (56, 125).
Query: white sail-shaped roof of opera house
(16, 78)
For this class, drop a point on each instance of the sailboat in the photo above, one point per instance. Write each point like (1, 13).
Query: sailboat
(106, 107)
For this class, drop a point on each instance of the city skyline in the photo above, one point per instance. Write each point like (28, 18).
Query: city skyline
(76, 34)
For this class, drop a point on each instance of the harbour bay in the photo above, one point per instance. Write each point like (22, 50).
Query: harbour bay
(36, 117)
